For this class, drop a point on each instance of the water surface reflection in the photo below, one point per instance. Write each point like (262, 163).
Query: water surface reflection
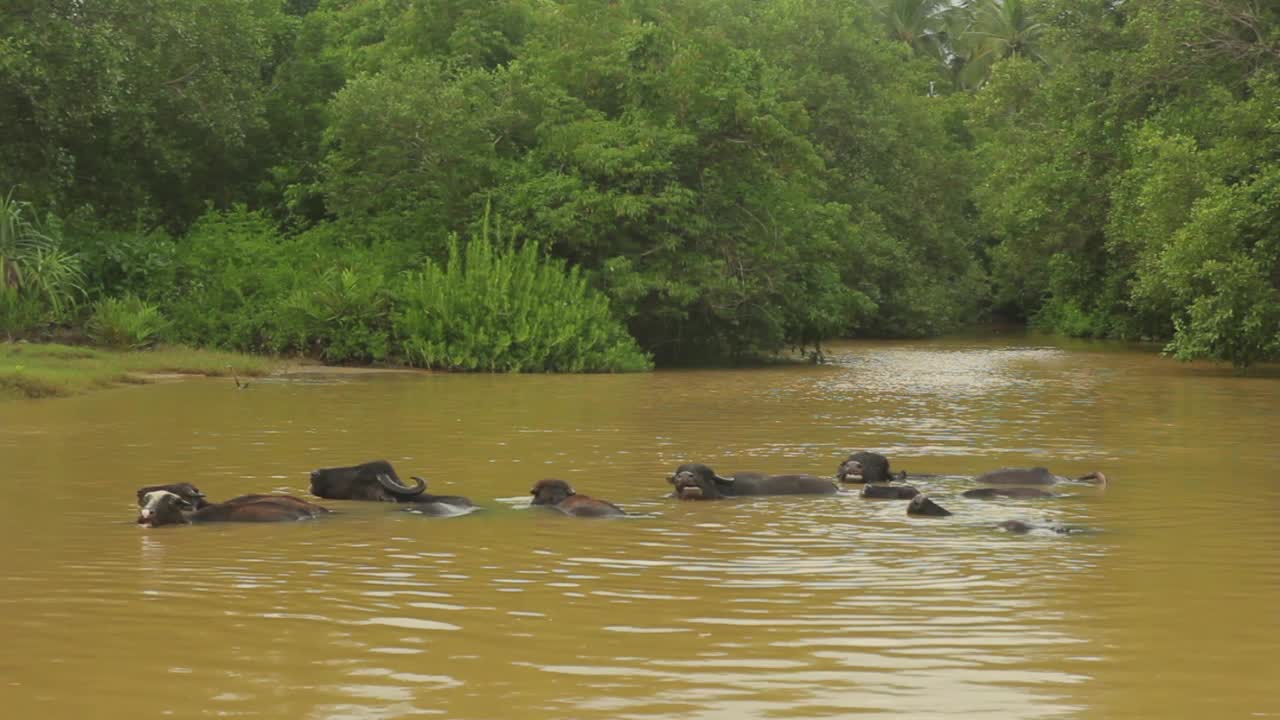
(777, 607)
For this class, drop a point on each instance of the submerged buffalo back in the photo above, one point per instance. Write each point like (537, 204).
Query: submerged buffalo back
(584, 506)
(561, 496)
(889, 492)
(282, 500)
(259, 508)
(1018, 476)
(1006, 492)
(457, 501)
(758, 484)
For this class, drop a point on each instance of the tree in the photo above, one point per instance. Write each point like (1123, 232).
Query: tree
(129, 104)
(919, 24)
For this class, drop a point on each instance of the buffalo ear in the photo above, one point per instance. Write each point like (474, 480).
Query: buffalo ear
(183, 504)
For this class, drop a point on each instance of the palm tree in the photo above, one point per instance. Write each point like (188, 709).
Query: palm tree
(997, 30)
(918, 23)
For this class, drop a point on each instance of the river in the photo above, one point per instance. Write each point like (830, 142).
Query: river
(783, 607)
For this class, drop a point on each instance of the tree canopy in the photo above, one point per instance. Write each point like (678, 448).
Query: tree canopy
(732, 178)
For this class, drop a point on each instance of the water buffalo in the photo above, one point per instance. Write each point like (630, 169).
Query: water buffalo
(1034, 476)
(162, 507)
(1007, 492)
(922, 505)
(889, 492)
(867, 467)
(695, 481)
(1019, 527)
(560, 495)
(377, 480)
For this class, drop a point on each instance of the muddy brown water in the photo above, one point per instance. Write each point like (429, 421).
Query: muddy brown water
(768, 608)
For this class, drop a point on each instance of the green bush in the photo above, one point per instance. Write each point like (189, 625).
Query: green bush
(232, 272)
(1238, 320)
(123, 262)
(343, 317)
(499, 308)
(126, 322)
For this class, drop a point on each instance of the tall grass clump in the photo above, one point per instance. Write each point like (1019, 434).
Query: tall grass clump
(125, 323)
(20, 315)
(40, 282)
(498, 308)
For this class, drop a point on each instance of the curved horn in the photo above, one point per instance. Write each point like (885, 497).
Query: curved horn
(1094, 477)
(724, 480)
(396, 488)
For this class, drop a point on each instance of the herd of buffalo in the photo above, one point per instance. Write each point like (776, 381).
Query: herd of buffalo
(183, 503)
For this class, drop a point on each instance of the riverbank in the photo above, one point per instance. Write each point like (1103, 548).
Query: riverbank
(37, 370)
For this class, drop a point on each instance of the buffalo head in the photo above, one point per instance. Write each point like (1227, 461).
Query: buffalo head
(864, 467)
(186, 491)
(551, 492)
(695, 481)
(375, 480)
(161, 507)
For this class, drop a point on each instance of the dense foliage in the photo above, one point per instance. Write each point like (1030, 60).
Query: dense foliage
(716, 179)
(1134, 191)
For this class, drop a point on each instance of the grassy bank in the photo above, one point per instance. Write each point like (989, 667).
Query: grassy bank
(39, 370)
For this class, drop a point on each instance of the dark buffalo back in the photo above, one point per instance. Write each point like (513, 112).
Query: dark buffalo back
(760, 484)
(259, 508)
(586, 506)
(1019, 476)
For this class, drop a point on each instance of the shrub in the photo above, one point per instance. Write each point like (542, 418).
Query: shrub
(53, 277)
(45, 278)
(342, 317)
(1237, 320)
(126, 322)
(499, 308)
(232, 272)
(123, 262)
